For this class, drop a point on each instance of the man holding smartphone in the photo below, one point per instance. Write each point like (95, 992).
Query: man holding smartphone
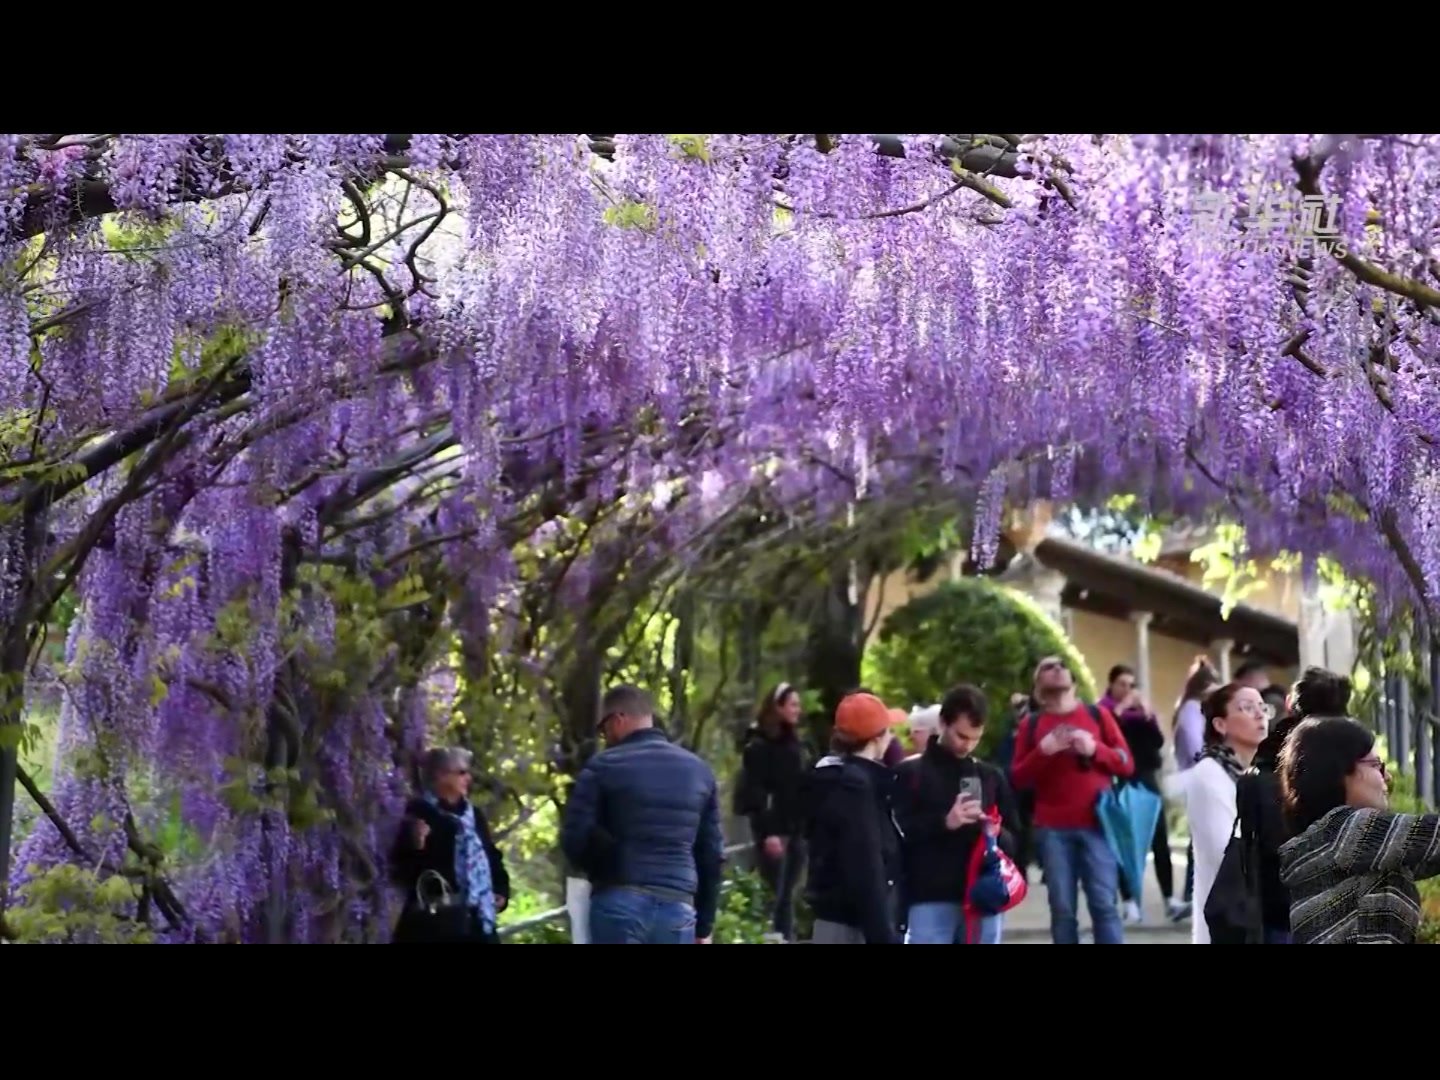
(941, 798)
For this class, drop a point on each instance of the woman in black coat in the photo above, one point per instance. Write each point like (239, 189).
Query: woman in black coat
(772, 774)
(453, 874)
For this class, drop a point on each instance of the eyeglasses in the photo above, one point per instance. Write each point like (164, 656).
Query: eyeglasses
(600, 727)
(1052, 665)
(1375, 763)
(1263, 710)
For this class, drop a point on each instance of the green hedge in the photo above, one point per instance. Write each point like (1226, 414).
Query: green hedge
(742, 919)
(971, 630)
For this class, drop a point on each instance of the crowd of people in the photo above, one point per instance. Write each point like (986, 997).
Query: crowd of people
(902, 833)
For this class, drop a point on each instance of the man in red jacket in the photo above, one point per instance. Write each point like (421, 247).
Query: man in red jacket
(1067, 752)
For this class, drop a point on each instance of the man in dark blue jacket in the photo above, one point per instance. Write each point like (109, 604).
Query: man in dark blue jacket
(643, 823)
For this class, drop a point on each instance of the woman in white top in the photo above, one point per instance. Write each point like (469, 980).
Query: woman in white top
(1236, 722)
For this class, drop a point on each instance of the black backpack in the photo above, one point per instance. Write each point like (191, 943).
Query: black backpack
(1232, 910)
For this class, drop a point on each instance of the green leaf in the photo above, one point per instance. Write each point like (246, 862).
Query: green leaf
(632, 215)
(694, 147)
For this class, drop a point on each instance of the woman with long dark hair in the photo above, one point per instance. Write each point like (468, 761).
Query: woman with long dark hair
(1260, 800)
(772, 772)
(1352, 865)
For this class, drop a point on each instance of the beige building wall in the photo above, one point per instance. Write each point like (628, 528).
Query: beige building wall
(1104, 642)
(895, 592)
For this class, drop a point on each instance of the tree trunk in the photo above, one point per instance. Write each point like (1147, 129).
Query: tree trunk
(833, 654)
(678, 723)
(20, 544)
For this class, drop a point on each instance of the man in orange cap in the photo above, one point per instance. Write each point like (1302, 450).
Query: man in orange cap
(854, 842)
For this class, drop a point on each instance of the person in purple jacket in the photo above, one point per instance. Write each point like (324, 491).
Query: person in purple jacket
(1189, 740)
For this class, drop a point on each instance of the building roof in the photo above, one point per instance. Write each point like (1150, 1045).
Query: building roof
(1114, 586)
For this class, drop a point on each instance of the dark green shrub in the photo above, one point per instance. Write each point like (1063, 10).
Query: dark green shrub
(971, 630)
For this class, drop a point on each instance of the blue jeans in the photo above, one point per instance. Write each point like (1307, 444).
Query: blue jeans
(1074, 858)
(944, 924)
(624, 916)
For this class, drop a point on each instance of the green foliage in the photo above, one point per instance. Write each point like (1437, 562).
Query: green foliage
(695, 147)
(250, 789)
(527, 905)
(1226, 562)
(743, 917)
(38, 730)
(178, 842)
(971, 630)
(631, 215)
(746, 908)
(70, 905)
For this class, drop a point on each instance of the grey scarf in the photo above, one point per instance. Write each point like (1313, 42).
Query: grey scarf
(1225, 756)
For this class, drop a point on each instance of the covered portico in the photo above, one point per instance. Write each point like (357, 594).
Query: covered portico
(1120, 611)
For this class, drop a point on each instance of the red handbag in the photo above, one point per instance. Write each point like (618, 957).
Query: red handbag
(996, 883)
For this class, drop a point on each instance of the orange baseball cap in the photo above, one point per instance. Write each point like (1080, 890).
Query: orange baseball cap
(864, 716)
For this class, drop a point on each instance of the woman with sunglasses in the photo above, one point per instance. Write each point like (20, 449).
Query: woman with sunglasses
(453, 874)
(1236, 721)
(1352, 865)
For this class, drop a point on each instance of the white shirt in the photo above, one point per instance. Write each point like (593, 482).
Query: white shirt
(1209, 796)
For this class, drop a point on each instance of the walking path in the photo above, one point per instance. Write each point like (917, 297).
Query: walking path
(1029, 924)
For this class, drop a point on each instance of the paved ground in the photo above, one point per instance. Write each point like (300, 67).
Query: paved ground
(1029, 924)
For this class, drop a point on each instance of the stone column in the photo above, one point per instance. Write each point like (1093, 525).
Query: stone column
(1046, 587)
(1223, 649)
(1141, 619)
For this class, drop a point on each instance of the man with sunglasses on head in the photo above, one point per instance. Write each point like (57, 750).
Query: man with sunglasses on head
(1068, 752)
(643, 823)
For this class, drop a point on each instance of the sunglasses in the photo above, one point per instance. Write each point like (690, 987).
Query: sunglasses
(600, 727)
(1375, 763)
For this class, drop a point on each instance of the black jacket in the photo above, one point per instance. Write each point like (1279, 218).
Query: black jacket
(937, 859)
(407, 862)
(645, 813)
(1147, 745)
(1261, 809)
(772, 772)
(854, 842)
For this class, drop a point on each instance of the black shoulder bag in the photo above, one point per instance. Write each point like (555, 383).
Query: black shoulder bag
(1232, 910)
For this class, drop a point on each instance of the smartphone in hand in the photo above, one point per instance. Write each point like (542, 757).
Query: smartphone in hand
(970, 788)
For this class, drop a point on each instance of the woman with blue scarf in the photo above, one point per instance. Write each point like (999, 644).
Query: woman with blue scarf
(452, 873)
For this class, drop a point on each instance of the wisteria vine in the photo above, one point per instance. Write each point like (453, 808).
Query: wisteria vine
(265, 397)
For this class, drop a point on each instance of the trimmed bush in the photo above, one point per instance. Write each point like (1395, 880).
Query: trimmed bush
(975, 631)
